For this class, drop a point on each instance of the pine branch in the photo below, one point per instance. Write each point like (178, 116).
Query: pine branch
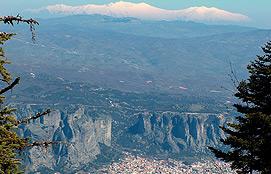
(46, 143)
(16, 81)
(18, 18)
(33, 117)
(11, 19)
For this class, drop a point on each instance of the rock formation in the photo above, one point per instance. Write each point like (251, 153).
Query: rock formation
(84, 128)
(177, 132)
(82, 131)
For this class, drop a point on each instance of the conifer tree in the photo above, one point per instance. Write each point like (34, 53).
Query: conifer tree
(10, 142)
(250, 138)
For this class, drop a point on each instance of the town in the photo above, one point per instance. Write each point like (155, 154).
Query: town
(137, 164)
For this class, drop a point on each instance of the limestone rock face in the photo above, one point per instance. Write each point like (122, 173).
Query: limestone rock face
(81, 131)
(177, 132)
(85, 128)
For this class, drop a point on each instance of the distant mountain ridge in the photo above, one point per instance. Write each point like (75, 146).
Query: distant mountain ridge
(144, 11)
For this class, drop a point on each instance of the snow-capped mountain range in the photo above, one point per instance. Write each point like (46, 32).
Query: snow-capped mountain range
(144, 11)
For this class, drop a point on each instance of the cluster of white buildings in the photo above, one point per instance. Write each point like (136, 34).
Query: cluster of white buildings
(136, 164)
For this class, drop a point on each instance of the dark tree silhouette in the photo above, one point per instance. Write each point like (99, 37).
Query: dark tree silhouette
(250, 138)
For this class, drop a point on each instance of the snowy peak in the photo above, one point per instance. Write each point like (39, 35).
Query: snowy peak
(145, 11)
(213, 14)
(127, 4)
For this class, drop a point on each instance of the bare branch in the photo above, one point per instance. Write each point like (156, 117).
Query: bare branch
(33, 117)
(233, 77)
(16, 81)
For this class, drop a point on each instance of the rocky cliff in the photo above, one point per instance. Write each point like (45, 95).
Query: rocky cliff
(72, 124)
(89, 129)
(177, 133)
(86, 129)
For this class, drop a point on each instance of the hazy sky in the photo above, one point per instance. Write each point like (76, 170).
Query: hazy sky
(257, 10)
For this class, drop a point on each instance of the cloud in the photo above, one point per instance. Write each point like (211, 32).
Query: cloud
(145, 11)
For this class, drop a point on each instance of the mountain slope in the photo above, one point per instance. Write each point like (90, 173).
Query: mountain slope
(93, 53)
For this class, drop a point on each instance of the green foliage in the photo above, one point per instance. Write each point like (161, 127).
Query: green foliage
(250, 137)
(10, 142)
(6, 75)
